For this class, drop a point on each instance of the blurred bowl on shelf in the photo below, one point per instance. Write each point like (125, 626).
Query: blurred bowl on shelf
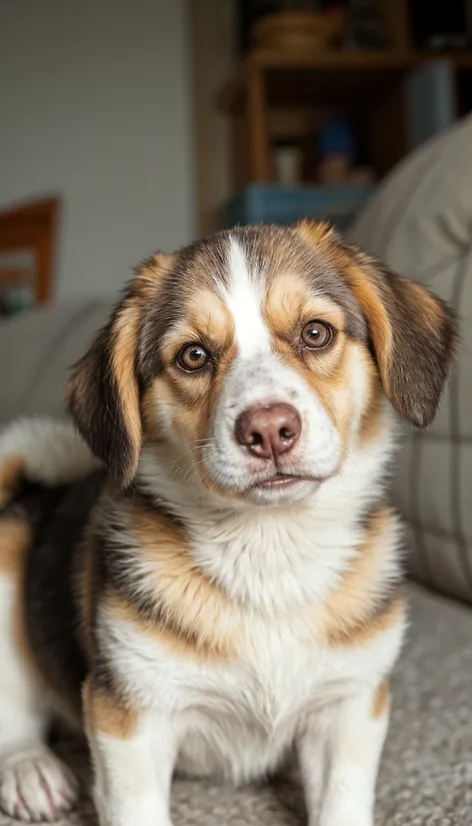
(289, 31)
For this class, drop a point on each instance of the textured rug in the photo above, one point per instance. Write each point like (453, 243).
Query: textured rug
(426, 774)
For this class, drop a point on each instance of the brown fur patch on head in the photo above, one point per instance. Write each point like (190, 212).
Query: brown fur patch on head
(107, 713)
(413, 334)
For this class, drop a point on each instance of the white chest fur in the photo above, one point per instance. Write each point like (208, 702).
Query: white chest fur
(238, 718)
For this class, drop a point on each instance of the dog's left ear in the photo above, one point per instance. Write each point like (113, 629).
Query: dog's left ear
(103, 393)
(413, 333)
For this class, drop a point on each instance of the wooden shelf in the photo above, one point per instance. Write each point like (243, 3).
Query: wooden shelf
(366, 70)
(270, 90)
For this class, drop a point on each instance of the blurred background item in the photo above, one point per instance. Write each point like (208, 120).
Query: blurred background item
(440, 26)
(302, 32)
(365, 27)
(198, 114)
(336, 151)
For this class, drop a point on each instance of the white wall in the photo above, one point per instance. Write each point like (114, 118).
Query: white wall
(94, 105)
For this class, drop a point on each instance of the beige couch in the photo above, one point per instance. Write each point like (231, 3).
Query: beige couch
(421, 222)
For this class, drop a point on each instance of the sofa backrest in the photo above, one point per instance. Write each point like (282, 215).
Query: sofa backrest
(420, 223)
(37, 350)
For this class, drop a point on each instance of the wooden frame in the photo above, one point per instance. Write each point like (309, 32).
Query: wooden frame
(32, 227)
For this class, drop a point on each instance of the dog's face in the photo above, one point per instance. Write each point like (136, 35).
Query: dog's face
(260, 357)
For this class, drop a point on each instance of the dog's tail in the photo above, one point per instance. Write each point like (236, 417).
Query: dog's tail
(41, 450)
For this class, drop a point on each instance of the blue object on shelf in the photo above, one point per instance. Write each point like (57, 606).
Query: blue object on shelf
(275, 204)
(336, 137)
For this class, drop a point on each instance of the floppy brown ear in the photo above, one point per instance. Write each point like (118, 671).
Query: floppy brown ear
(103, 393)
(413, 334)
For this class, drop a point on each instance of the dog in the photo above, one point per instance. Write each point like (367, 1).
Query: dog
(209, 578)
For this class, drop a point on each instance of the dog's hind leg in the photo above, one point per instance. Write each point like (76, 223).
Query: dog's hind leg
(35, 785)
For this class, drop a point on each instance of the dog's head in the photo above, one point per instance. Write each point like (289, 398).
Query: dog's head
(261, 355)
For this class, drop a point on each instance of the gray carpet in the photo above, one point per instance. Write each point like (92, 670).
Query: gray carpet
(426, 775)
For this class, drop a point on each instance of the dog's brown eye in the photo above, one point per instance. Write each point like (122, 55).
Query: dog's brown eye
(317, 334)
(192, 357)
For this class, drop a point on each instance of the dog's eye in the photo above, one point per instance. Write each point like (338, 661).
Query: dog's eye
(317, 334)
(192, 357)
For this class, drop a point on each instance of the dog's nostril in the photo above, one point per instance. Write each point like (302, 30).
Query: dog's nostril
(286, 434)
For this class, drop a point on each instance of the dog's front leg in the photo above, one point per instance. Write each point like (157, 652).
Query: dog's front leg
(133, 755)
(354, 733)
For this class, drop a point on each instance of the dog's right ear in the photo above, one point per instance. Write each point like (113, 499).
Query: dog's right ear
(103, 392)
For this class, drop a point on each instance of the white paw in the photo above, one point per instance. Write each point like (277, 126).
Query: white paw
(36, 787)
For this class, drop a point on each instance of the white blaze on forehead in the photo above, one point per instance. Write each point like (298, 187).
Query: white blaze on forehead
(244, 298)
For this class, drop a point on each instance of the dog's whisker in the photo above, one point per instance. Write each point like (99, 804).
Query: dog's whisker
(194, 468)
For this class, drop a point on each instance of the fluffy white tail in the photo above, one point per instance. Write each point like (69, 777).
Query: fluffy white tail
(42, 450)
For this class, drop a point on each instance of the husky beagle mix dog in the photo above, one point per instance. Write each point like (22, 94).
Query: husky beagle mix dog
(217, 585)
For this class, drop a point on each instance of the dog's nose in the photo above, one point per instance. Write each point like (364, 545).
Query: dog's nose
(269, 431)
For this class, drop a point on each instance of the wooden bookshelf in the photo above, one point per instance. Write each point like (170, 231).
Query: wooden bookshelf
(273, 96)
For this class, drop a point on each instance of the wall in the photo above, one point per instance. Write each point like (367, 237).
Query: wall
(94, 105)
(213, 59)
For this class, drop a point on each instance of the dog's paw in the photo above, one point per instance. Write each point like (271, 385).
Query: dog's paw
(36, 787)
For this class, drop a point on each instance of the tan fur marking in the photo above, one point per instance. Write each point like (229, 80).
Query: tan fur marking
(191, 401)
(368, 296)
(350, 614)
(371, 421)
(191, 611)
(150, 274)
(163, 630)
(381, 700)
(106, 713)
(15, 542)
(317, 232)
(362, 285)
(209, 316)
(11, 471)
(124, 354)
(431, 310)
(331, 376)
(290, 301)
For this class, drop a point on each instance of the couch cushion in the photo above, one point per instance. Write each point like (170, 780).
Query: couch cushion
(420, 223)
(426, 772)
(36, 351)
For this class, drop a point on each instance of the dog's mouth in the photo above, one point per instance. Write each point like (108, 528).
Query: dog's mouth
(281, 481)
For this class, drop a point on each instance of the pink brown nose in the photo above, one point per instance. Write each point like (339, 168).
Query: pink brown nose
(268, 432)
